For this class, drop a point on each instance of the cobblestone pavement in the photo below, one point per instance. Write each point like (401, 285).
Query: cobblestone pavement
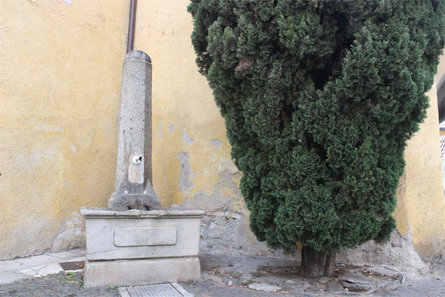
(224, 276)
(55, 285)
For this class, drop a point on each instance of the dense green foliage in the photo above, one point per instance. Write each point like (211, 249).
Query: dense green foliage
(319, 99)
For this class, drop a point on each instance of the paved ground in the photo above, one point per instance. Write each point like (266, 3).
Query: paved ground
(424, 287)
(70, 285)
(213, 289)
(22, 268)
(60, 285)
(222, 276)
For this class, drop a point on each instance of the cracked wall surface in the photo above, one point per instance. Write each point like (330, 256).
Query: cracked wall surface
(61, 77)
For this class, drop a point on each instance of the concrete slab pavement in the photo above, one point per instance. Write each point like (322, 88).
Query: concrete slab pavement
(36, 266)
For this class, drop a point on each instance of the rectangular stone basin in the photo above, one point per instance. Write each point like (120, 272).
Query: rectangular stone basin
(133, 247)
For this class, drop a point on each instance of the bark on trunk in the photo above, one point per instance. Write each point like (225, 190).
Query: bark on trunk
(317, 264)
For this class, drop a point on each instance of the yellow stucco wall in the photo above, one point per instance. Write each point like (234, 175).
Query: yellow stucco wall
(60, 76)
(186, 120)
(59, 97)
(421, 202)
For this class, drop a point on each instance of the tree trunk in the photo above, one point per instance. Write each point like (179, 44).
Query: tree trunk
(317, 263)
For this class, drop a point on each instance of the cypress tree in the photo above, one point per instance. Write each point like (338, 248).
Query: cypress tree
(319, 99)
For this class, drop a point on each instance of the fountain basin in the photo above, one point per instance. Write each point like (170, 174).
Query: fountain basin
(134, 247)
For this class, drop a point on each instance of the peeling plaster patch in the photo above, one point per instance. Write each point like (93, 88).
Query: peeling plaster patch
(398, 252)
(225, 227)
(171, 127)
(71, 235)
(160, 131)
(216, 142)
(70, 2)
(186, 138)
(73, 148)
(225, 193)
(225, 230)
(185, 173)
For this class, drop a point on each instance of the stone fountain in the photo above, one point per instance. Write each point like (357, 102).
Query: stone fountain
(134, 241)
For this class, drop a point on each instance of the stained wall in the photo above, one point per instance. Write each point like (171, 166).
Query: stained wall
(60, 76)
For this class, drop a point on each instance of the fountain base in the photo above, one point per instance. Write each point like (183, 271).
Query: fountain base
(135, 247)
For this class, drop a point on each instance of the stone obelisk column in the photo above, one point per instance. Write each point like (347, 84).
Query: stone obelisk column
(133, 188)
